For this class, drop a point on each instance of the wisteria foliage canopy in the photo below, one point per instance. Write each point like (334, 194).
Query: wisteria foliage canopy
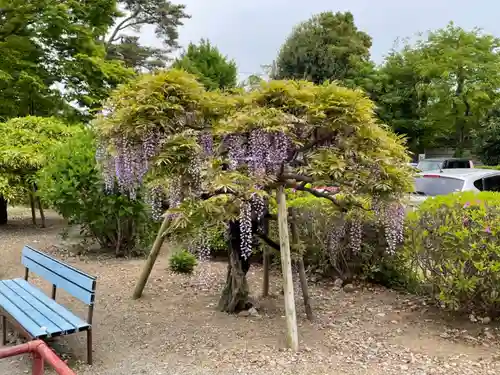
(216, 156)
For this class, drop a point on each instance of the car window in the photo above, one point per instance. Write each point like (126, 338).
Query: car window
(429, 165)
(492, 183)
(438, 185)
(457, 164)
(478, 184)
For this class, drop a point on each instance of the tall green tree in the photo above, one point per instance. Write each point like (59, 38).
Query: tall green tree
(51, 56)
(326, 47)
(444, 86)
(214, 70)
(401, 104)
(163, 15)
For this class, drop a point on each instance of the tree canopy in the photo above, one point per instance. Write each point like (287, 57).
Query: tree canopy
(218, 157)
(47, 46)
(326, 47)
(57, 57)
(440, 89)
(331, 133)
(214, 70)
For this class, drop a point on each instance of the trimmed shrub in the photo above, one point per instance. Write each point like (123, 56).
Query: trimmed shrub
(183, 261)
(71, 183)
(452, 251)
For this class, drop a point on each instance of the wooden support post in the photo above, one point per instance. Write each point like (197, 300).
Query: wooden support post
(32, 205)
(39, 203)
(153, 254)
(301, 267)
(265, 281)
(286, 266)
(42, 214)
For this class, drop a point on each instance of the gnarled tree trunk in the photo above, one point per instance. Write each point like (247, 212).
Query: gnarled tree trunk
(234, 297)
(3, 211)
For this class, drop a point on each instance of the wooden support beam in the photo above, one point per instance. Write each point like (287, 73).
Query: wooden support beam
(286, 266)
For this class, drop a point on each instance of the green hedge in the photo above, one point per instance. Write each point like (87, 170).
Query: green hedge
(452, 251)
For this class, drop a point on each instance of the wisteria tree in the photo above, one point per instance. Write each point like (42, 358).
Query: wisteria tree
(221, 158)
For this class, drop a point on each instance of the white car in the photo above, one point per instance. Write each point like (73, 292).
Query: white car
(446, 181)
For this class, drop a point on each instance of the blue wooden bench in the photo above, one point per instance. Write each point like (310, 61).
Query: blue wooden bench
(36, 315)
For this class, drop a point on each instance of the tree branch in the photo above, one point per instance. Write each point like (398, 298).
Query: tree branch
(207, 196)
(268, 241)
(319, 194)
(316, 193)
(121, 26)
(271, 216)
(297, 177)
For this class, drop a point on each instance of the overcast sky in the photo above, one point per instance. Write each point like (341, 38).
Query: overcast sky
(252, 31)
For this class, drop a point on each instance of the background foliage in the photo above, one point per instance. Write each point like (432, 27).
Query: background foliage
(204, 60)
(327, 47)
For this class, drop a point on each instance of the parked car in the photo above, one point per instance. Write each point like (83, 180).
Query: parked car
(450, 163)
(442, 182)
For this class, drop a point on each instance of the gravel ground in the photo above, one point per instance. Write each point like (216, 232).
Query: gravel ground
(175, 328)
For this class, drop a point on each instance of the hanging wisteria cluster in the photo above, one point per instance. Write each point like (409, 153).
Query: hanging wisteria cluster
(154, 198)
(130, 163)
(336, 236)
(355, 235)
(246, 229)
(200, 247)
(391, 216)
(263, 153)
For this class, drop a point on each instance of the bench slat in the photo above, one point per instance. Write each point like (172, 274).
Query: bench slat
(59, 321)
(29, 325)
(82, 294)
(29, 310)
(63, 270)
(53, 305)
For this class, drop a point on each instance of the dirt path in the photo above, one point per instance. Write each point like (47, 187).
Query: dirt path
(175, 329)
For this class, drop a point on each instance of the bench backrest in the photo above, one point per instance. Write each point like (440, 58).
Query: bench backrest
(62, 275)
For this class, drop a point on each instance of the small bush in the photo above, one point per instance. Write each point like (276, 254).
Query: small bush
(182, 262)
(72, 184)
(452, 250)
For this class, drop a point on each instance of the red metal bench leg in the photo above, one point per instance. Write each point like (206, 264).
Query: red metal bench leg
(4, 330)
(38, 365)
(89, 346)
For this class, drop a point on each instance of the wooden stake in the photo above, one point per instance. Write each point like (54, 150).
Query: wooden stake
(153, 254)
(265, 281)
(286, 266)
(39, 203)
(33, 212)
(40, 208)
(302, 269)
